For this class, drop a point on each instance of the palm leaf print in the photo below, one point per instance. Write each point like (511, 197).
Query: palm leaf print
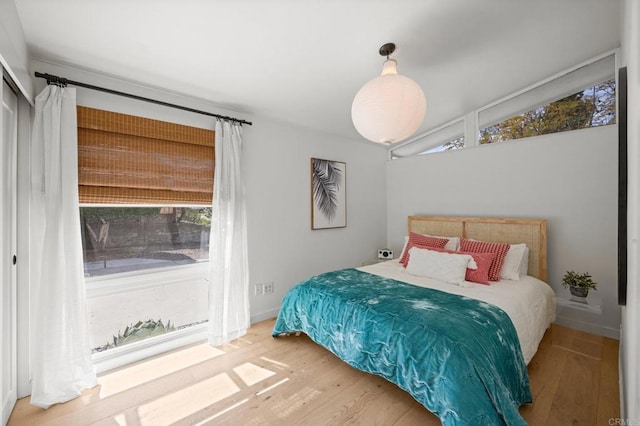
(327, 179)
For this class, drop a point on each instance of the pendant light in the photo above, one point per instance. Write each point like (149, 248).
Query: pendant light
(390, 107)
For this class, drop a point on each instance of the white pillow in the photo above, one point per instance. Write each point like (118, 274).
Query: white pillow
(524, 264)
(453, 244)
(447, 267)
(511, 267)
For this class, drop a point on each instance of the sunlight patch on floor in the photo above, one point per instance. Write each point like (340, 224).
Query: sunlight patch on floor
(265, 390)
(226, 410)
(130, 377)
(190, 400)
(252, 374)
(272, 361)
(231, 345)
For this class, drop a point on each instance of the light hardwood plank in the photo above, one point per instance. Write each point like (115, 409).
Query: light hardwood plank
(577, 341)
(417, 415)
(576, 398)
(544, 377)
(259, 380)
(609, 398)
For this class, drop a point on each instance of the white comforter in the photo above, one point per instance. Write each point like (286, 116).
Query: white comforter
(530, 303)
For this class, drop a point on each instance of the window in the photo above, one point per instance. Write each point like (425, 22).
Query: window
(145, 189)
(444, 138)
(581, 97)
(126, 239)
(457, 143)
(591, 107)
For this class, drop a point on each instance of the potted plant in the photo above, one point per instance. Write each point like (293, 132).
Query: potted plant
(579, 284)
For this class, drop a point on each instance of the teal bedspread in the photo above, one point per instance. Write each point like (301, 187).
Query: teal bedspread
(457, 356)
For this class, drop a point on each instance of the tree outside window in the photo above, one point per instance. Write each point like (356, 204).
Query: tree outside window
(592, 107)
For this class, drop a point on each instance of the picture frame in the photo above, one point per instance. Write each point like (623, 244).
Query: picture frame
(328, 194)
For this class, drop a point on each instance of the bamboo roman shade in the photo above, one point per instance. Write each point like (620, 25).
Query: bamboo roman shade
(124, 159)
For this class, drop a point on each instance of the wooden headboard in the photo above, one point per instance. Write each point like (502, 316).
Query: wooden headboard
(532, 232)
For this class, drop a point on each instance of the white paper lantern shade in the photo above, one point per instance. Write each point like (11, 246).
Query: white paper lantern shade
(389, 108)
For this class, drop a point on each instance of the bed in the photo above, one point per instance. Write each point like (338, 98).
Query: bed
(461, 351)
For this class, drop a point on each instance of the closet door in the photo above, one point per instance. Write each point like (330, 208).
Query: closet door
(8, 185)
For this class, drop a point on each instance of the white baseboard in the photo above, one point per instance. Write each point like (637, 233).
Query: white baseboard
(613, 333)
(261, 316)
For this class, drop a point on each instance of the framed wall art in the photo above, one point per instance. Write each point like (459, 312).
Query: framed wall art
(328, 194)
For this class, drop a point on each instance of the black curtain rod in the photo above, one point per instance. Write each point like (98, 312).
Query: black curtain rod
(60, 81)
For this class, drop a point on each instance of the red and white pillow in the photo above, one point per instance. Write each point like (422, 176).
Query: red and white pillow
(480, 275)
(507, 261)
(453, 243)
(421, 240)
(477, 270)
(498, 249)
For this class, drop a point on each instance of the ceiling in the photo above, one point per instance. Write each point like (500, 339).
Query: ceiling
(303, 61)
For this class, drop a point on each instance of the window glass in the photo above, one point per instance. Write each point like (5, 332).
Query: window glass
(456, 143)
(148, 240)
(591, 107)
(128, 316)
(124, 239)
(447, 137)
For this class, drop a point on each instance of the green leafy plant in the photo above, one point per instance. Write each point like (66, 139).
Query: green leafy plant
(574, 279)
(140, 331)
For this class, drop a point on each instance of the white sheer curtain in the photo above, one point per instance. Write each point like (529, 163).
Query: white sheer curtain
(229, 268)
(60, 351)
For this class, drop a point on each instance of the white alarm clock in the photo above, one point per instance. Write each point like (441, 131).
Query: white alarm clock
(385, 254)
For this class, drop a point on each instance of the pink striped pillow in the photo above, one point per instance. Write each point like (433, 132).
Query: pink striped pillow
(421, 240)
(499, 249)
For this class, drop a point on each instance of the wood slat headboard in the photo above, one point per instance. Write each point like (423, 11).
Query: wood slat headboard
(532, 232)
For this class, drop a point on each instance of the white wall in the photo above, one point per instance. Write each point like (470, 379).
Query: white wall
(282, 247)
(13, 48)
(630, 333)
(569, 179)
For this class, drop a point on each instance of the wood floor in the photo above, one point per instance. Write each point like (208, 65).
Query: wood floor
(258, 380)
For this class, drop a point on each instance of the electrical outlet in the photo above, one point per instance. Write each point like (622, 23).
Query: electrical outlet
(258, 289)
(268, 287)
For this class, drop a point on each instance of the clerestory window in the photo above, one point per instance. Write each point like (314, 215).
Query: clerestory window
(582, 97)
(590, 107)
